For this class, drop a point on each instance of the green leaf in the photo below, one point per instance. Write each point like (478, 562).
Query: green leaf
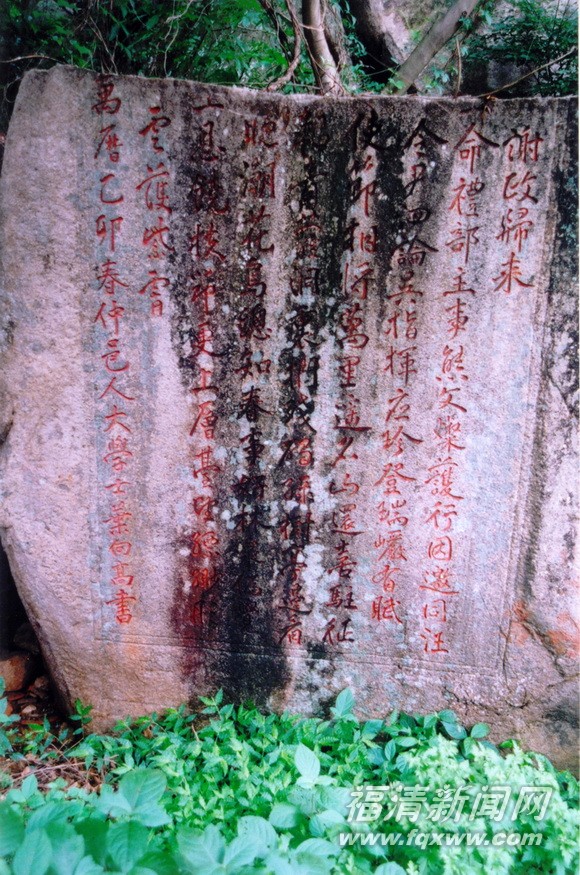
(284, 816)
(142, 787)
(318, 848)
(29, 786)
(160, 862)
(372, 728)
(110, 802)
(308, 864)
(320, 823)
(316, 827)
(87, 866)
(344, 703)
(11, 829)
(304, 798)
(126, 843)
(33, 857)
(338, 798)
(204, 849)
(94, 831)
(375, 756)
(52, 812)
(390, 749)
(155, 816)
(389, 869)
(68, 848)
(262, 832)
(480, 730)
(455, 731)
(307, 763)
(402, 765)
(278, 865)
(468, 745)
(406, 741)
(242, 851)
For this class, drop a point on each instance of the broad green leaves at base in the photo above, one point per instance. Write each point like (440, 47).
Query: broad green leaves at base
(236, 791)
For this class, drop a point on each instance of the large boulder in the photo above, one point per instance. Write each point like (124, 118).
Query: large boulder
(287, 398)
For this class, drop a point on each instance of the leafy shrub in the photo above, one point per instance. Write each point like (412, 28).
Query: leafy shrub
(251, 43)
(227, 42)
(235, 791)
(531, 36)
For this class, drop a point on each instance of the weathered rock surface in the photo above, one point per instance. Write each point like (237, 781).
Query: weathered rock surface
(288, 398)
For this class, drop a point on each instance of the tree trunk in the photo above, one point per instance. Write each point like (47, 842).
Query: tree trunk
(435, 39)
(323, 63)
(383, 33)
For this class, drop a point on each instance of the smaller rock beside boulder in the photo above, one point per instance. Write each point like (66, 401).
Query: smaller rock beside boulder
(18, 668)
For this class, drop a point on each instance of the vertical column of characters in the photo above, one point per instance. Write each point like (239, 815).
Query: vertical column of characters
(401, 337)
(115, 399)
(257, 199)
(153, 189)
(297, 399)
(210, 206)
(439, 583)
(358, 276)
(522, 151)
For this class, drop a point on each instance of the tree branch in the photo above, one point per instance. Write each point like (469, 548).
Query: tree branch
(280, 35)
(323, 63)
(441, 31)
(531, 73)
(282, 80)
(26, 57)
(459, 67)
(336, 36)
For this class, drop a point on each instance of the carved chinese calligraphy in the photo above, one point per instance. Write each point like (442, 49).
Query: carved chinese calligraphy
(115, 403)
(282, 370)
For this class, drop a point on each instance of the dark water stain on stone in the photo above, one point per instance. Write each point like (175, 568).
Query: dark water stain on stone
(242, 652)
(564, 721)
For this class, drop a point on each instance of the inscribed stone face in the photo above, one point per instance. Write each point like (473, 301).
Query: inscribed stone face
(280, 378)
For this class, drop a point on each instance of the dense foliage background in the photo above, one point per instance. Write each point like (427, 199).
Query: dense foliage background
(255, 42)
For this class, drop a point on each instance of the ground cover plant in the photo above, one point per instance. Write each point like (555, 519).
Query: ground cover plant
(234, 790)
